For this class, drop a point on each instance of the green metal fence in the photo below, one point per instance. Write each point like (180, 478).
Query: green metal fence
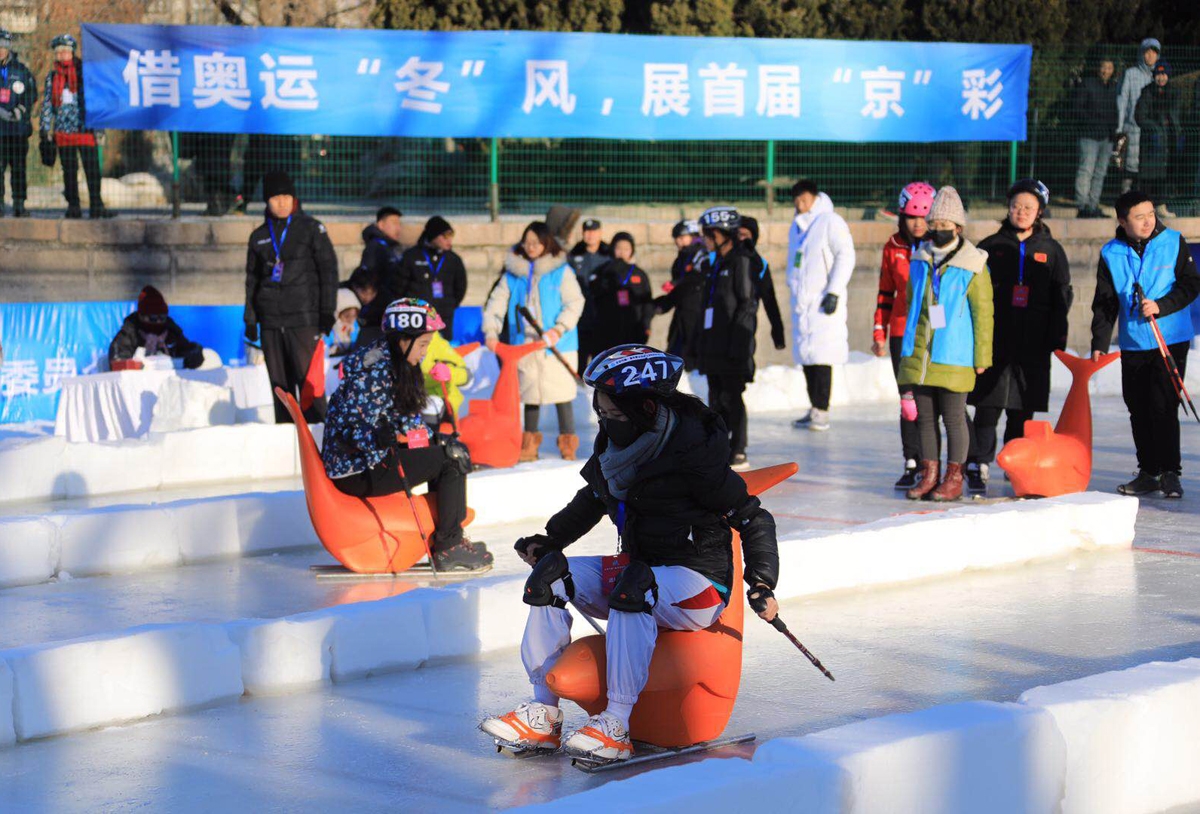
(162, 173)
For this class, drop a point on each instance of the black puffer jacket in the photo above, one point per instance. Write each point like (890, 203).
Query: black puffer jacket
(381, 258)
(727, 346)
(18, 84)
(417, 278)
(677, 511)
(307, 294)
(131, 337)
(686, 298)
(622, 302)
(1024, 338)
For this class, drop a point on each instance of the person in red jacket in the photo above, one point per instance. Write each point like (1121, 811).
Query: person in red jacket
(891, 310)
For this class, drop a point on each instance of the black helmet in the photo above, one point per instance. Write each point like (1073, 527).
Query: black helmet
(685, 227)
(1034, 187)
(722, 218)
(64, 40)
(627, 369)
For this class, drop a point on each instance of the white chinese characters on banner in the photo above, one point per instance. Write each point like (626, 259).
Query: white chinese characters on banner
(778, 90)
(18, 377)
(288, 82)
(420, 81)
(547, 82)
(153, 78)
(881, 89)
(981, 93)
(57, 368)
(665, 89)
(221, 79)
(724, 89)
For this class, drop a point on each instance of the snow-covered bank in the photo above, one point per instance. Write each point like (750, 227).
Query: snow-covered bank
(173, 667)
(120, 539)
(1122, 741)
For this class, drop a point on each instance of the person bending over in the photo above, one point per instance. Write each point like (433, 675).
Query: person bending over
(377, 442)
(660, 473)
(150, 328)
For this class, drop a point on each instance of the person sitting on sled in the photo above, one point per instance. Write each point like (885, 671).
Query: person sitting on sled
(377, 443)
(660, 472)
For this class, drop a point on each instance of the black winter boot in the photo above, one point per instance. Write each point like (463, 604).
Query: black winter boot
(1143, 484)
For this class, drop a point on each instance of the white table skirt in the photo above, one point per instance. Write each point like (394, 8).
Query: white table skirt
(121, 404)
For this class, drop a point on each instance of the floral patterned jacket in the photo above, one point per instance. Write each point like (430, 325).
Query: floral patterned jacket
(362, 402)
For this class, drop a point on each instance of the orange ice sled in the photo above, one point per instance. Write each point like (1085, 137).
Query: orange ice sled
(694, 675)
(1046, 463)
(372, 535)
(492, 427)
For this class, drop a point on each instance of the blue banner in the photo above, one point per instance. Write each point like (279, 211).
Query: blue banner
(549, 85)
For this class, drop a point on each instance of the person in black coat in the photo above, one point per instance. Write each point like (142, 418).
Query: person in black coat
(659, 473)
(621, 297)
(18, 93)
(149, 327)
(380, 263)
(433, 272)
(684, 293)
(1031, 292)
(764, 285)
(730, 320)
(1159, 116)
(585, 258)
(1096, 118)
(291, 290)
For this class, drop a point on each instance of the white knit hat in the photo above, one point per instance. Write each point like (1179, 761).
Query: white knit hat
(345, 299)
(947, 206)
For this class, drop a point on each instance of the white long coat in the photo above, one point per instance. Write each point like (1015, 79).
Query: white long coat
(820, 261)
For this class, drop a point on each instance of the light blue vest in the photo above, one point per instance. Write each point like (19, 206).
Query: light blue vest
(954, 344)
(550, 297)
(1155, 270)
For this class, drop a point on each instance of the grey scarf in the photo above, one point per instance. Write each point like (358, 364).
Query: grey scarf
(620, 465)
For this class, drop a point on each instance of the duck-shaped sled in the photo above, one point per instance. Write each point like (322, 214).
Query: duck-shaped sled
(694, 675)
(371, 535)
(491, 429)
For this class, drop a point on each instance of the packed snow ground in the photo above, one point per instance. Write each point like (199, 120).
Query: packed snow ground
(409, 738)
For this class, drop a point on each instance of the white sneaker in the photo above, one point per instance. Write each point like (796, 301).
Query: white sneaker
(819, 420)
(530, 726)
(603, 737)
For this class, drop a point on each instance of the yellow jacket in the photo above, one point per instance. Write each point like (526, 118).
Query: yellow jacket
(441, 351)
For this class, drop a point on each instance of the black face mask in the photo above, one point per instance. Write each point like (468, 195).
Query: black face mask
(943, 237)
(621, 433)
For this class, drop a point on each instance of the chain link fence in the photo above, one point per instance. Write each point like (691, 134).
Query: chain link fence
(158, 174)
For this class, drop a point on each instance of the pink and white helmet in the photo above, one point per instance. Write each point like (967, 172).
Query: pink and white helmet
(916, 199)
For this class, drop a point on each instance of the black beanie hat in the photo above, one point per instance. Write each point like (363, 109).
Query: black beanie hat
(277, 182)
(751, 225)
(437, 225)
(624, 236)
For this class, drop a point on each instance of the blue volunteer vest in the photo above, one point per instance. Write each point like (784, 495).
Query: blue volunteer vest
(1155, 270)
(954, 344)
(550, 297)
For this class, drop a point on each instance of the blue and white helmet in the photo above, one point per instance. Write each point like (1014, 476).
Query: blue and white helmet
(724, 218)
(631, 368)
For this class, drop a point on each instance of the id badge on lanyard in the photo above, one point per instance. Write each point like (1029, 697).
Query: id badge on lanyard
(937, 311)
(712, 290)
(612, 566)
(1020, 293)
(277, 269)
(418, 438)
(439, 289)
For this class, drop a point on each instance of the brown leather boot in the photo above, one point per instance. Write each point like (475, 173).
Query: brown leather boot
(927, 479)
(951, 486)
(568, 445)
(530, 441)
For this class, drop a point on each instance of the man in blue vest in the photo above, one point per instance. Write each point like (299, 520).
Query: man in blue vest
(1147, 271)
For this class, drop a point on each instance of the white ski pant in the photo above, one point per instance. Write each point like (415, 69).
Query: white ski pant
(630, 637)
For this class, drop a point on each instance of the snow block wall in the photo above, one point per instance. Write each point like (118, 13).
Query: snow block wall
(52, 469)
(1133, 737)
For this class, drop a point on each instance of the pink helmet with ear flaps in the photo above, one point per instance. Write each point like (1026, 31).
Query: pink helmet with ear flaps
(916, 199)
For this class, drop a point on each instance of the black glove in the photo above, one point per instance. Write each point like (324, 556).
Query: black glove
(48, 150)
(522, 545)
(757, 596)
(829, 304)
(384, 436)
(194, 358)
(777, 338)
(251, 331)
(326, 324)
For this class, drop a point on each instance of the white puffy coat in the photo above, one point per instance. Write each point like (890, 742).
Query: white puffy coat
(820, 261)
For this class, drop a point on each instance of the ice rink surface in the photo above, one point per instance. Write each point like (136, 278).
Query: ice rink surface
(409, 740)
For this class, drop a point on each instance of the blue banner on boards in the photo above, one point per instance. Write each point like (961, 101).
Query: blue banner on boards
(549, 85)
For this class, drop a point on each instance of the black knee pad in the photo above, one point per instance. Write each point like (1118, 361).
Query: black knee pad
(539, 590)
(629, 594)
